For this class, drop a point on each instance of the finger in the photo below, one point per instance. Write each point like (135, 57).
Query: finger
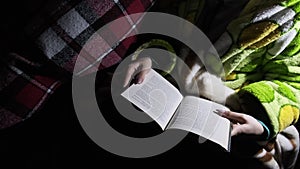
(141, 76)
(130, 71)
(143, 65)
(238, 117)
(144, 68)
(236, 129)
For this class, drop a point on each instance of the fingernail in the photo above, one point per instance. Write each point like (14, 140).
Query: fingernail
(220, 110)
(217, 112)
(140, 81)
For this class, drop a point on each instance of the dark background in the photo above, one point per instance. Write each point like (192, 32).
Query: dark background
(53, 138)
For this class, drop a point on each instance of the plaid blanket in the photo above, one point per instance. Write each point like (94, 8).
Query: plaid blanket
(74, 22)
(61, 31)
(22, 90)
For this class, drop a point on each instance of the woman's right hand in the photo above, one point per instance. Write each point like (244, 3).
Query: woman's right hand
(137, 70)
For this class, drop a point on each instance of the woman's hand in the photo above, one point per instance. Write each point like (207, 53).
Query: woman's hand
(242, 123)
(140, 67)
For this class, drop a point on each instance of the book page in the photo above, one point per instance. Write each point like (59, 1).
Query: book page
(156, 96)
(197, 115)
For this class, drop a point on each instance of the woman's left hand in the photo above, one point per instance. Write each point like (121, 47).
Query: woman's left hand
(242, 123)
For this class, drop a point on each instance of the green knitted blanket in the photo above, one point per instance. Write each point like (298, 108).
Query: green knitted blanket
(260, 55)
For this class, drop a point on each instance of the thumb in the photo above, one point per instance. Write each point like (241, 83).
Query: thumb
(236, 129)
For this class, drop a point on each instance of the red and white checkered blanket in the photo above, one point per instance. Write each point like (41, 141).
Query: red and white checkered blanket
(60, 33)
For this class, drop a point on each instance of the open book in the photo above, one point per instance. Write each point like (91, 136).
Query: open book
(164, 103)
